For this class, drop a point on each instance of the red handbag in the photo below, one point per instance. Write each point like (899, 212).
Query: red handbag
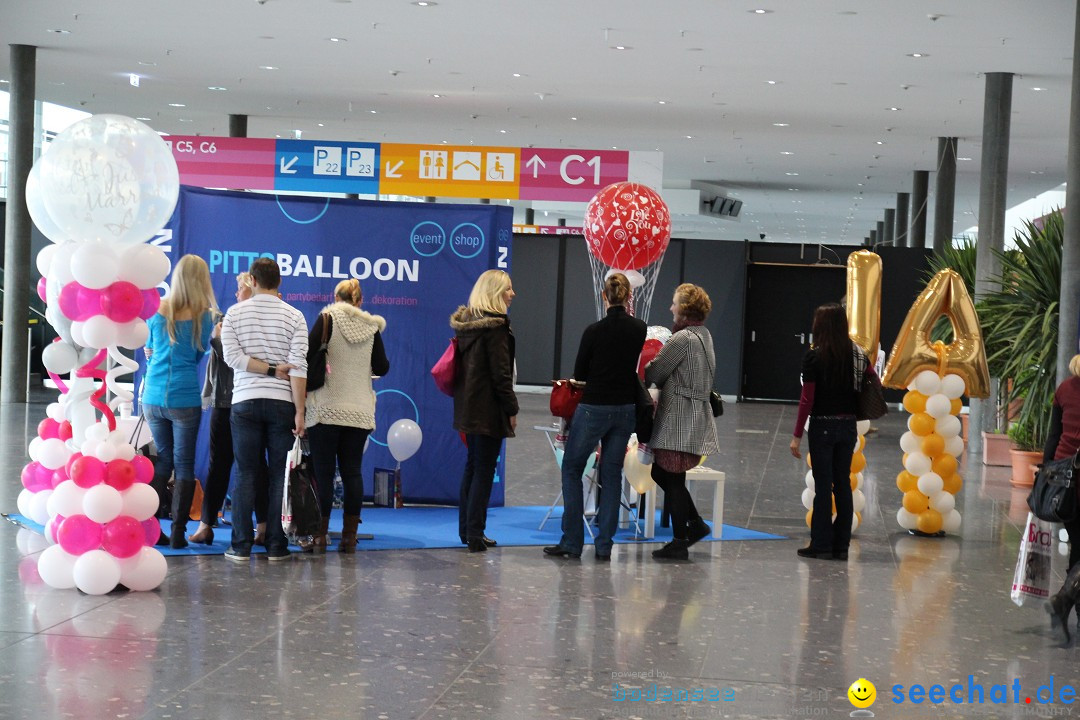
(445, 370)
(565, 396)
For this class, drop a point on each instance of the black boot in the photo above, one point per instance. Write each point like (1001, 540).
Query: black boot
(183, 493)
(1061, 604)
(674, 550)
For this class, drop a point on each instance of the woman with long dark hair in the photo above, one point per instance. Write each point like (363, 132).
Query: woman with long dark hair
(830, 390)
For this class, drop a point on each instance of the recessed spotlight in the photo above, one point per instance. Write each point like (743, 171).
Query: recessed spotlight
(573, 118)
(60, 32)
(759, 11)
(893, 109)
(613, 147)
(267, 67)
(1036, 172)
(621, 47)
(425, 3)
(791, 174)
(320, 124)
(879, 142)
(337, 39)
(661, 102)
(688, 137)
(964, 159)
(1038, 89)
(517, 74)
(217, 88)
(436, 95)
(917, 55)
(503, 132)
(781, 124)
(133, 80)
(144, 119)
(184, 119)
(786, 152)
(373, 112)
(770, 82)
(177, 105)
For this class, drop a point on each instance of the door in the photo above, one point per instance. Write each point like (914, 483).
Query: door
(780, 304)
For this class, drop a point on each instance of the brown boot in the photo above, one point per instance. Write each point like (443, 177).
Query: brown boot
(318, 545)
(348, 534)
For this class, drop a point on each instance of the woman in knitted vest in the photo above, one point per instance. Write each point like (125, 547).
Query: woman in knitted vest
(341, 414)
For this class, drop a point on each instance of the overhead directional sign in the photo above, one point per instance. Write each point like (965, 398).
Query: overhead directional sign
(464, 171)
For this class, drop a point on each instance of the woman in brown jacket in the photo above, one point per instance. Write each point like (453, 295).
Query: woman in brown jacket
(485, 406)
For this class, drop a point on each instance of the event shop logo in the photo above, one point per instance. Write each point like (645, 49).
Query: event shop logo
(429, 238)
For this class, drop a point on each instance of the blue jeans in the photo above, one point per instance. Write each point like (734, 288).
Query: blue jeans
(481, 462)
(262, 431)
(174, 431)
(832, 443)
(610, 426)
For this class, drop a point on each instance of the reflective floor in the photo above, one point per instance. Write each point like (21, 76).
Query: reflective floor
(748, 629)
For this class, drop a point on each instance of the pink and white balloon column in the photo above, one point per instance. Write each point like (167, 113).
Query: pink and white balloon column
(105, 187)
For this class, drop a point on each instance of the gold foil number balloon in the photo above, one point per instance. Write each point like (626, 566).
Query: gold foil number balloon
(864, 301)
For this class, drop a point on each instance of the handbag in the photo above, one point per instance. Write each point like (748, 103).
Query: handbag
(643, 414)
(300, 514)
(715, 401)
(444, 371)
(870, 403)
(565, 396)
(317, 366)
(1053, 498)
(1031, 580)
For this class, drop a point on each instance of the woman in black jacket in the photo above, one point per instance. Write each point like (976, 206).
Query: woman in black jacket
(607, 362)
(485, 406)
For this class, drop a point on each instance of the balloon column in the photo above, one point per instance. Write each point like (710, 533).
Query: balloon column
(936, 376)
(106, 185)
(627, 229)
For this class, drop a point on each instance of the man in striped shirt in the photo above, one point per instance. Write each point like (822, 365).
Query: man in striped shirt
(265, 341)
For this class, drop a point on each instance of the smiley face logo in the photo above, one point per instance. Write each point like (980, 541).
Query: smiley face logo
(862, 693)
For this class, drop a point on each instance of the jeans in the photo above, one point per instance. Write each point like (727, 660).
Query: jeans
(262, 431)
(832, 443)
(611, 427)
(174, 431)
(476, 482)
(221, 463)
(338, 447)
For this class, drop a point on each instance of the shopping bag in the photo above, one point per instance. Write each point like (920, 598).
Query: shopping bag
(1032, 577)
(300, 514)
(565, 396)
(444, 371)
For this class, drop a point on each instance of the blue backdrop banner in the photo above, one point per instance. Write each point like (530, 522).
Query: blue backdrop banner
(416, 263)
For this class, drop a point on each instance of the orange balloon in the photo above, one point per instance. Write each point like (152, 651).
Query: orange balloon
(957, 406)
(862, 443)
(933, 445)
(859, 516)
(809, 514)
(854, 481)
(906, 482)
(858, 462)
(953, 483)
(921, 424)
(809, 462)
(929, 521)
(915, 502)
(914, 402)
(944, 465)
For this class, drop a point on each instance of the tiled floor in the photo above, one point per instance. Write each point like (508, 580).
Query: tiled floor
(511, 634)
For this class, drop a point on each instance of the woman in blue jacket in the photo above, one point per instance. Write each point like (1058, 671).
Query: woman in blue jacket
(171, 395)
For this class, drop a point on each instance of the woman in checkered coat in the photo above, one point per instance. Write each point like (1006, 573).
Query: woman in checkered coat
(684, 428)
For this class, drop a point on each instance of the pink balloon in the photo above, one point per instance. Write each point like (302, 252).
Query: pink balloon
(31, 477)
(69, 301)
(64, 431)
(44, 477)
(144, 468)
(71, 461)
(88, 472)
(41, 290)
(119, 474)
(122, 301)
(151, 300)
(59, 476)
(89, 302)
(48, 429)
(151, 531)
(78, 534)
(123, 537)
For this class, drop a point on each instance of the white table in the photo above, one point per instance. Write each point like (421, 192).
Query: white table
(700, 474)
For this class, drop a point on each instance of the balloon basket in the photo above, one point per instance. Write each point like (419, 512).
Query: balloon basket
(920, 533)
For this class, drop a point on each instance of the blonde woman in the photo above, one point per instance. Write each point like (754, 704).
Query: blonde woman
(485, 406)
(171, 402)
(341, 414)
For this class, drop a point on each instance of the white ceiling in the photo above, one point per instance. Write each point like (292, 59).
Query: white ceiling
(838, 66)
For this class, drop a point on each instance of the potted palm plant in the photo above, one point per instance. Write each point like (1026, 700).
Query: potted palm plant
(1025, 454)
(1020, 325)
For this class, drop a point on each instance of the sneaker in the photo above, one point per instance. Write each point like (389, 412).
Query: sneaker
(278, 556)
(237, 556)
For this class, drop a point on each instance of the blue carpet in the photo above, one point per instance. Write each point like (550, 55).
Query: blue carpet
(412, 528)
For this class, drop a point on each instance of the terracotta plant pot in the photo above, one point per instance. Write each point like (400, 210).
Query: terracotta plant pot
(964, 427)
(996, 449)
(1023, 466)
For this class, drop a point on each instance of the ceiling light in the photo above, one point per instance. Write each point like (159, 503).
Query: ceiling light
(771, 82)
(621, 47)
(786, 152)
(760, 11)
(320, 124)
(1038, 89)
(60, 32)
(661, 102)
(964, 159)
(503, 132)
(216, 88)
(573, 118)
(792, 174)
(781, 124)
(144, 119)
(133, 80)
(147, 64)
(337, 39)
(373, 112)
(893, 109)
(436, 95)
(425, 3)
(917, 55)
(267, 67)
(689, 137)
(517, 74)
(177, 105)
(879, 142)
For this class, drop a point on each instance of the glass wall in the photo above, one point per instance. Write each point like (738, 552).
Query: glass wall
(49, 120)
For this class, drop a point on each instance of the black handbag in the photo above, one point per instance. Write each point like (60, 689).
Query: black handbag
(316, 361)
(870, 404)
(1053, 498)
(715, 401)
(643, 414)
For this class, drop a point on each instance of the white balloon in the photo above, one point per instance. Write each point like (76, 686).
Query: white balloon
(96, 572)
(103, 503)
(90, 448)
(862, 426)
(24, 501)
(35, 204)
(144, 570)
(810, 480)
(99, 332)
(906, 520)
(124, 451)
(60, 270)
(44, 260)
(132, 335)
(33, 448)
(144, 265)
(39, 506)
(858, 481)
(943, 502)
(952, 386)
(854, 522)
(98, 431)
(55, 410)
(67, 499)
(930, 484)
(910, 442)
(106, 452)
(50, 529)
(938, 406)
(917, 464)
(56, 568)
(927, 382)
(59, 358)
(95, 265)
(954, 446)
(951, 522)
(948, 426)
(808, 499)
(76, 332)
(140, 501)
(858, 500)
(404, 439)
(53, 453)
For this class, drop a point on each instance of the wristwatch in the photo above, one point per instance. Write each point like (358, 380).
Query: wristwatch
(271, 370)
